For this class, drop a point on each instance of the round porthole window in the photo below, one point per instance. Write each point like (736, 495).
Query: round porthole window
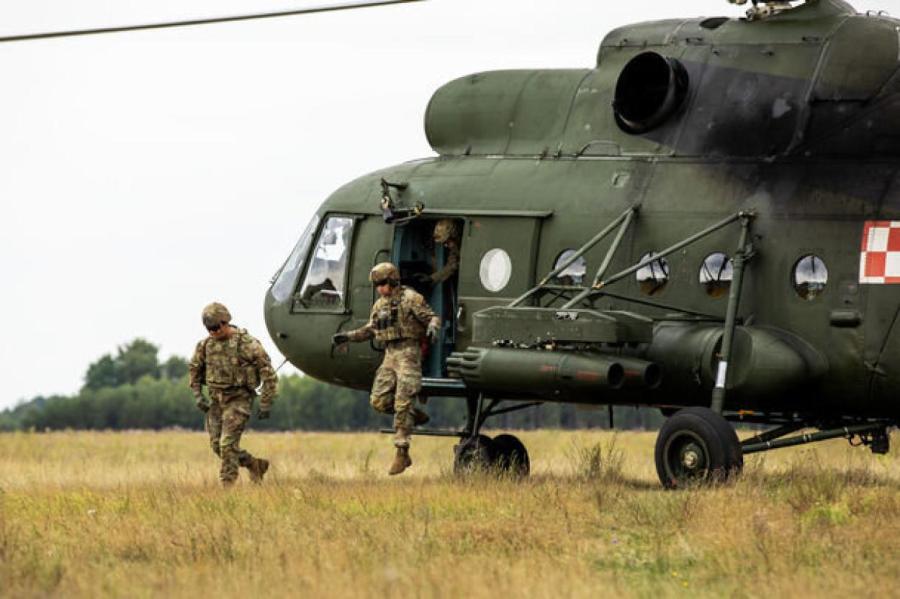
(810, 277)
(716, 273)
(652, 277)
(496, 269)
(573, 273)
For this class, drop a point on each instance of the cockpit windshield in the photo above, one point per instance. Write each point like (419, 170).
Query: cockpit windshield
(286, 280)
(323, 287)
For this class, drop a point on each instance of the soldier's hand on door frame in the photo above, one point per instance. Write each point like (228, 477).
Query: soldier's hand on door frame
(434, 330)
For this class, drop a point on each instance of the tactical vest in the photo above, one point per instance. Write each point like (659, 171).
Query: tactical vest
(227, 365)
(393, 318)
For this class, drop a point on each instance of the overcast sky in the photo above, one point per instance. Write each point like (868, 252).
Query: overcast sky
(146, 174)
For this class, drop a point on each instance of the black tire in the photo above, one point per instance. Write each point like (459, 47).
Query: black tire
(511, 455)
(697, 445)
(475, 454)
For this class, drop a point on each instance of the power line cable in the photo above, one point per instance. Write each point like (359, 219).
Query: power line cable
(206, 21)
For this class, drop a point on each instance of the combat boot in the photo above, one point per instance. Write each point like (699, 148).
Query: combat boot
(420, 417)
(258, 469)
(401, 462)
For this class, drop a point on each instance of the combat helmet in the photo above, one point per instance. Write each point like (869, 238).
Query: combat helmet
(385, 271)
(444, 230)
(215, 314)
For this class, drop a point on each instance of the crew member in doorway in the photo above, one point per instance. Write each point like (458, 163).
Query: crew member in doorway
(446, 233)
(399, 319)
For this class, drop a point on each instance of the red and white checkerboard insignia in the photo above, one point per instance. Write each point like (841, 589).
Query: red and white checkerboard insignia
(879, 261)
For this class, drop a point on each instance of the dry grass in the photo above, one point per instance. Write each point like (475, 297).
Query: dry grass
(141, 514)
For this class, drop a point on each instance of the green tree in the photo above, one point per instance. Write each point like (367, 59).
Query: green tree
(102, 373)
(132, 361)
(137, 359)
(174, 368)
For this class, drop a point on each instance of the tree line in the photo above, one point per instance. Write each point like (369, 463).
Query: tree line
(132, 389)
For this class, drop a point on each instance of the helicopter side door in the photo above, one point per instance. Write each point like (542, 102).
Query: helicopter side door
(419, 258)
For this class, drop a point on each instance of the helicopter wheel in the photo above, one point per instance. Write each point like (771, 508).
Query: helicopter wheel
(511, 455)
(697, 445)
(475, 454)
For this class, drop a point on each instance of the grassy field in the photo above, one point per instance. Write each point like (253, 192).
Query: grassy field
(141, 514)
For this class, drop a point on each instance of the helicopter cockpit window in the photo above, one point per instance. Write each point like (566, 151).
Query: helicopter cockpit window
(653, 277)
(716, 274)
(326, 277)
(810, 277)
(574, 273)
(286, 278)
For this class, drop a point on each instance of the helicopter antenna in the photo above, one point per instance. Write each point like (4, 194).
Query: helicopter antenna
(204, 21)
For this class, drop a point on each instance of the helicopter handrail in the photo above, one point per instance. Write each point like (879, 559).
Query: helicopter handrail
(595, 289)
(543, 285)
(590, 244)
(610, 254)
(669, 250)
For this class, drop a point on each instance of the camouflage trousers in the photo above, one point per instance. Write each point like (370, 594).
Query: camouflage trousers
(397, 384)
(225, 422)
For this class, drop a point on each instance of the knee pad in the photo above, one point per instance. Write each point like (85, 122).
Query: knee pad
(381, 404)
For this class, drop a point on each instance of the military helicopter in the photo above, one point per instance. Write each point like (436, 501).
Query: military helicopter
(706, 222)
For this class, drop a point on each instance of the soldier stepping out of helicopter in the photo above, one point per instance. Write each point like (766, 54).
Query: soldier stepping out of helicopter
(399, 319)
(232, 364)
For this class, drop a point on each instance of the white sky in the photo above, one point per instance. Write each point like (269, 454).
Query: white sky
(143, 175)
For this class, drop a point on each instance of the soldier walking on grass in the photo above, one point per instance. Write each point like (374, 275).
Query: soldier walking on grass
(400, 319)
(232, 364)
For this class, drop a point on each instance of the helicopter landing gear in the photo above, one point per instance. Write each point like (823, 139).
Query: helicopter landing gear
(697, 445)
(511, 456)
(474, 454)
(872, 434)
(505, 453)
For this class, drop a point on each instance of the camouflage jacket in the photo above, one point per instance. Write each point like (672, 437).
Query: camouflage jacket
(237, 362)
(403, 314)
(451, 264)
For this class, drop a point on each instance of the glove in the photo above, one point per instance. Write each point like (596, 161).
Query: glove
(340, 338)
(433, 330)
(263, 414)
(202, 404)
(421, 277)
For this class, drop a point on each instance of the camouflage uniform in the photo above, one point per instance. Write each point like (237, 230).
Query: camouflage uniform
(446, 233)
(399, 321)
(232, 369)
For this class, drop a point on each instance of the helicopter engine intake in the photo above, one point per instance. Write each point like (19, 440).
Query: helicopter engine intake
(650, 89)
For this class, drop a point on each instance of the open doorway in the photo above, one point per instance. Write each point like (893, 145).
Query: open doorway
(426, 250)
